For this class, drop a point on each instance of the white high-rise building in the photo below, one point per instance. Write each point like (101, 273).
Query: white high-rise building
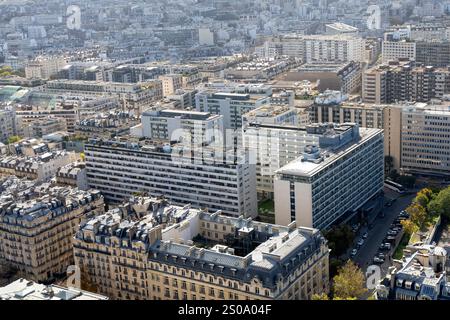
(336, 175)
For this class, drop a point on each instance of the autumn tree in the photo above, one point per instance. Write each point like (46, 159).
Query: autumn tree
(424, 197)
(418, 214)
(349, 283)
(322, 296)
(409, 227)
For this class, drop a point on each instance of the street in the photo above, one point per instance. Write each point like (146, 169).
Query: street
(367, 251)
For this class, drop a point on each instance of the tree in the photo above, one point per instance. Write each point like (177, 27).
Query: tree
(322, 296)
(13, 139)
(349, 283)
(424, 197)
(441, 203)
(339, 239)
(418, 214)
(409, 227)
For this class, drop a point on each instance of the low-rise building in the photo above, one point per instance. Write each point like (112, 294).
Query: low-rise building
(40, 167)
(420, 275)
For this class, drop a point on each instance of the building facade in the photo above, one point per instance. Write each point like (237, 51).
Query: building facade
(146, 259)
(37, 230)
(333, 178)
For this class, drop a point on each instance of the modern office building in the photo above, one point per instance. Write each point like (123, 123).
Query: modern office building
(37, 224)
(23, 289)
(205, 177)
(333, 178)
(151, 250)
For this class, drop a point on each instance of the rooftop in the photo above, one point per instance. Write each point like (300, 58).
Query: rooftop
(23, 289)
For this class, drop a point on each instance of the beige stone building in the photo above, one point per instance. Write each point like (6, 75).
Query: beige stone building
(150, 250)
(37, 223)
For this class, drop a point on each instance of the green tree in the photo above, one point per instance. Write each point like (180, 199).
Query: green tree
(339, 239)
(349, 283)
(441, 203)
(13, 139)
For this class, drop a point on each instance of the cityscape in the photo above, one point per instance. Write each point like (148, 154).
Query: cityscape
(198, 150)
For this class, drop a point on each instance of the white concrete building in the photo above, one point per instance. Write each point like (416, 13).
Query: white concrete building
(394, 50)
(333, 178)
(231, 105)
(224, 182)
(174, 125)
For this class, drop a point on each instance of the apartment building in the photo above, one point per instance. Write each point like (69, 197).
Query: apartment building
(273, 137)
(40, 167)
(331, 48)
(333, 178)
(43, 126)
(171, 83)
(433, 53)
(404, 81)
(133, 96)
(425, 139)
(395, 50)
(334, 48)
(158, 256)
(44, 67)
(344, 77)
(74, 175)
(7, 124)
(175, 125)
(107, 124)
(231, 105)
(206, 177)
(37, 226)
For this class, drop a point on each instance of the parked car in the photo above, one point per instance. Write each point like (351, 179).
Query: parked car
(385, 246)
(360, 242)
(377, 260)
(392, 232)
(353, 253)
(381, 255)
(365, 235)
